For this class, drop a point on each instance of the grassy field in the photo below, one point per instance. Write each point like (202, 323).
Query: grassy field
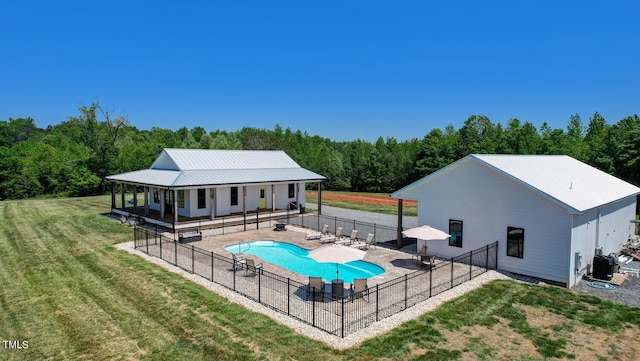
(70, 295)
(407, 210)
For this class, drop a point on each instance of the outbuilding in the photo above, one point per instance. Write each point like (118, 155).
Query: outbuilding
(187, 187)
(551, 214)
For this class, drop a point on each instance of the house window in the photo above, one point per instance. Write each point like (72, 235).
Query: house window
(515, 242)
(202, 198)
(156, 197)
(234, 196)
(292, 190)
(455, 230)
(181, 199)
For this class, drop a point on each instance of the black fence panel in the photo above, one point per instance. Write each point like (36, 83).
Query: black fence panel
(339, 316)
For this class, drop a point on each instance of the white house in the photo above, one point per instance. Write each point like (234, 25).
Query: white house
(198, 184)
(550, 214)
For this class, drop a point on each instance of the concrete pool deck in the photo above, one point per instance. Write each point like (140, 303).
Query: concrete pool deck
(395, 263)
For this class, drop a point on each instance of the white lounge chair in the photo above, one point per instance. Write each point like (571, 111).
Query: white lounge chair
(328, 239)
(318, 235)
(370, 241)
(352, 238)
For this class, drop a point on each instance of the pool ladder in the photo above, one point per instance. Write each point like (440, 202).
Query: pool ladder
(240, 251)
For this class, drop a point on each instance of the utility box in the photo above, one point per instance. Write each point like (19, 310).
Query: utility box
(578, 261)
(603, 267)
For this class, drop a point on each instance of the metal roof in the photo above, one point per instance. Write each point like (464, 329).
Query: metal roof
(194, 167)
(572, 184)
(209, 159)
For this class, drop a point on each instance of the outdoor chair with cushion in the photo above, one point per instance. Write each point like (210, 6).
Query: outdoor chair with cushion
(370, 241)
(359, 289)
(252, 267)
(238, 262)
(352, 238)
(318, 235)
(332, 238)
(315, 287)
(429, 262)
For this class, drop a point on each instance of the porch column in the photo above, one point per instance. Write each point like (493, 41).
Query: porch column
(122, 204)
(162, 202)
(273, 198)
(319, 197)
(146, 201)
(213, 202)
(113, 196)
(244, 199)
(135, 199)
(175, 208)
(298, 196)
(399, 242)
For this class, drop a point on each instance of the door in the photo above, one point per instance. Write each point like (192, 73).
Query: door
(263, 198)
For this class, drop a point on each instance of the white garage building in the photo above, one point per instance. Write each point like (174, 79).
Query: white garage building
(549, 214)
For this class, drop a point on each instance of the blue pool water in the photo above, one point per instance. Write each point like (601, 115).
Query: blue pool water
(294, 258)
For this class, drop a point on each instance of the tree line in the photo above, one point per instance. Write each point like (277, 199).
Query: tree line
(73, 157)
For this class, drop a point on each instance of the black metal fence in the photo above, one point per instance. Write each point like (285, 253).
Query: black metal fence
(339, 316)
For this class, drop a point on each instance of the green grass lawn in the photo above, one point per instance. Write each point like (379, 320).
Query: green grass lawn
(71, 295)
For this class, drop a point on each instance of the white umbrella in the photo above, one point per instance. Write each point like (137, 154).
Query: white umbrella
(337, 253)
(427, 233)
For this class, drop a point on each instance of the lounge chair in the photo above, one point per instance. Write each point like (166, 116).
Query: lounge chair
(359, 289)
(352, 238)
(370, 241)
(333, 238)
(252, 267)
(238, 262)
(315, 287)
(318, 235)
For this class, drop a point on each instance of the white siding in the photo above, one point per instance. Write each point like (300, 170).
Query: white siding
(488, 203)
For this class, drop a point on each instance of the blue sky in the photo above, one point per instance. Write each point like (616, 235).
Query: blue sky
(343, 70)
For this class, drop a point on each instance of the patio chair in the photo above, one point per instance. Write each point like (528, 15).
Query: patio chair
(318, 235)
(422, 255)
(328, 239)
(252, 267)
(352, 238)
(359, 289)
(370, 241)
(238, 262)
(315, 287)
(429, 262)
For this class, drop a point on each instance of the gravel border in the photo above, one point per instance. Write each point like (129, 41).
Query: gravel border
(336, 342)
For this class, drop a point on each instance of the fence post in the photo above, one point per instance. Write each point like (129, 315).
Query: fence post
(259, 286)
(470, 264)
(257, 220)
(288, 296)
(342, 314)
(377, 302)
(406, 290)
(193, 260)
(160, 248)
(147, 244)
(451, 272)
(486, 261)
(313, 306)
(430, 281)
(244, 220)
(175, 247)
(211, 266)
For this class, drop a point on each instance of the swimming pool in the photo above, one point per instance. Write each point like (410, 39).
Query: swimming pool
(294, 258)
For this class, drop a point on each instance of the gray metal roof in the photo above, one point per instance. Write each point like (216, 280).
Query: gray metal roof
(209, 159)
(192, 167)
(564, 180)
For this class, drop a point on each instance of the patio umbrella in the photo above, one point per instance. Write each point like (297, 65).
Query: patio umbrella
(427, 233)
(337, 253)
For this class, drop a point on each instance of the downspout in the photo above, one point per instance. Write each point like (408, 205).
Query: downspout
(598, 228)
